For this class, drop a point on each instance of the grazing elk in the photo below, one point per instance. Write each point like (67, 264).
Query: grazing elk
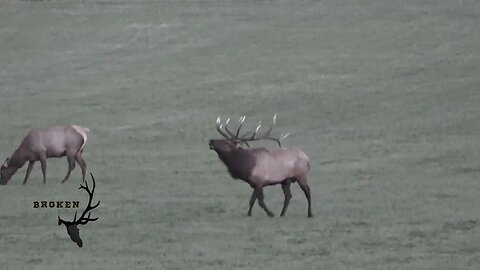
(261, 167)
(43, 143)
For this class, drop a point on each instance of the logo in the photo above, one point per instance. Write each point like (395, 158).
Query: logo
(56, 204)
(71, 226)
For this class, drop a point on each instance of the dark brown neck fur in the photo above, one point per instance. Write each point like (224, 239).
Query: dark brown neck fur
(17, 159)
(239, 162)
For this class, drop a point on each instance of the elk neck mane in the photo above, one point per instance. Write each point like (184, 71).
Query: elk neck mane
(239, 162)
(236, 155)
(18, 158)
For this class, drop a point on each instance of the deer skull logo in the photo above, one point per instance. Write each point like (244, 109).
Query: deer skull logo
(71, 226)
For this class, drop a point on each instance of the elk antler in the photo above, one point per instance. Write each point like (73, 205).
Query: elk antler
(228, 134)
(219, 126)
(72, 225)
(250, 135)
(266, 135)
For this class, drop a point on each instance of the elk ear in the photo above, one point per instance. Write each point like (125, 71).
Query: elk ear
(6, 162)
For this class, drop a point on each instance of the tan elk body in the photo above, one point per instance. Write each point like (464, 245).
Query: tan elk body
(43, 143)
(261, 167)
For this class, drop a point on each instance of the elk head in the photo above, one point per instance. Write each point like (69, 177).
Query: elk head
(71, 226)
(6, 172)
(233, 140)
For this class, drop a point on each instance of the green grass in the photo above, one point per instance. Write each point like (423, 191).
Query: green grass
(382, 95)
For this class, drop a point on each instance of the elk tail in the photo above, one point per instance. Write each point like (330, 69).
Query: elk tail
(83, 132)
(305, 157)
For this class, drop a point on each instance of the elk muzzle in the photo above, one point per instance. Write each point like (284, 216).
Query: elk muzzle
(210, 143)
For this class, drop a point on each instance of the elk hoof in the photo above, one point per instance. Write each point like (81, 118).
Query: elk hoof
(271, 215)
(310, 215)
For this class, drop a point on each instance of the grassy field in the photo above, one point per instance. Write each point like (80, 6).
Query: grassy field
(382, 95)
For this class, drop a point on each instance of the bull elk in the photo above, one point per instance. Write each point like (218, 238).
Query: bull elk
(42, 143)
(260, 167)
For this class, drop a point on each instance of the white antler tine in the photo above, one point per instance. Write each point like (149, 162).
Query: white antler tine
(256, 130)
(274, 119)
(218, 120)
(242, 119)
(228, 120)
(283, 136)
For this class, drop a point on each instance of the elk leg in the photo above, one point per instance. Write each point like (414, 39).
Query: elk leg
(29, 170)
(306, 190)
(288, 196)
(252, 202)
(83, 165)
(262, 203)
(71, 167)
(43, 163)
